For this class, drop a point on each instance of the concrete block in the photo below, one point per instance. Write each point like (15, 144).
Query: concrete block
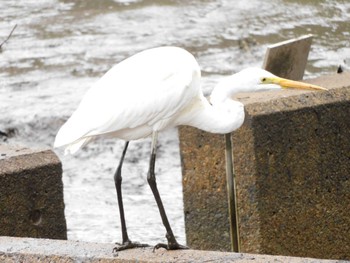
(31, 193)
(288, 59)
(292, 165)
(61, 251)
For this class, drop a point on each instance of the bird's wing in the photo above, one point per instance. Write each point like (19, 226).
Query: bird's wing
(128, 96)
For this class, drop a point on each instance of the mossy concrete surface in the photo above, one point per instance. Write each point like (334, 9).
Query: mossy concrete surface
(292, 165)
(62, 251)
(31, 193)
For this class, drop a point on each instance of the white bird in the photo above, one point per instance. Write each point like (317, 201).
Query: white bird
(154, 90)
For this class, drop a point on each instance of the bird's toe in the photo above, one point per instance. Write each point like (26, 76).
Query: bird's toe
(169, 246)
(128, 245)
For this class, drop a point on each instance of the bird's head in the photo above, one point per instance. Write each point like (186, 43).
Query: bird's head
(253, 80)
(259, 80)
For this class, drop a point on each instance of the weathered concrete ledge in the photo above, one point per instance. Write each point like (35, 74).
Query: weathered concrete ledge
(292, 165)
(62, 251)
(31, 193)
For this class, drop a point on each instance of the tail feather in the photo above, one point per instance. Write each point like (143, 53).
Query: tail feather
(72, 148)
(70, 138)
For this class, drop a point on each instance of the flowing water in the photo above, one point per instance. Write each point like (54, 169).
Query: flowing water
(60, 47)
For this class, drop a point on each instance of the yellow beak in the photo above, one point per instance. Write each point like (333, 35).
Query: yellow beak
(286, 83)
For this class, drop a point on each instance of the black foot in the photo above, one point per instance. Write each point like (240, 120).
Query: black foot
(128, 245)
(172, 246)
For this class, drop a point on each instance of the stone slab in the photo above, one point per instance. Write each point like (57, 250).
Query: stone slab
(31, 193)
(292, 164)
(60, 251)
(288, 59)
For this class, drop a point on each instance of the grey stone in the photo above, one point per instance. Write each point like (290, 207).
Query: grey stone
(292, 165)
(31, 193)
(60, 251)
(288, 59)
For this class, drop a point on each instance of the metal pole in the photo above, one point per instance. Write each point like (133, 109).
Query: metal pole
(232, 196)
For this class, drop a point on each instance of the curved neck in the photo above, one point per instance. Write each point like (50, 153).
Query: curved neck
(227, 88)
(223, 117)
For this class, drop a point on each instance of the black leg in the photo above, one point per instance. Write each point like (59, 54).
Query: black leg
(151, 178)
(118, 183)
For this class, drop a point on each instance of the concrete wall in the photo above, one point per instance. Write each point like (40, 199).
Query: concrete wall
(61, 251)
(292, 164)
(31, 194)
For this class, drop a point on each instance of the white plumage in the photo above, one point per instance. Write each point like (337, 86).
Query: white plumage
(140, 94)
(153, 90)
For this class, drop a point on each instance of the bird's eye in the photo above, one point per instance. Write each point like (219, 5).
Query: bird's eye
(263, 79)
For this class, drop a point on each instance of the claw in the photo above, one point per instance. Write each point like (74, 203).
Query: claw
(170, 246)
(128, 245)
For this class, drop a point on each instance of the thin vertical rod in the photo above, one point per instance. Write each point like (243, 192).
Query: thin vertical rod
(232, 195)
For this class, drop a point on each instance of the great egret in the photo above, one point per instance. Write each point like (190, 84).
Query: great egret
(153, 90)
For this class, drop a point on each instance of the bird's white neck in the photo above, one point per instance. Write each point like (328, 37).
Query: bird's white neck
(228, 87)
(222, 117)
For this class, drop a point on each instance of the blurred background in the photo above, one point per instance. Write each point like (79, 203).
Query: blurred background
(60, 47)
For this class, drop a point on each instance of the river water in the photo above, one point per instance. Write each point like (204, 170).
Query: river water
(60, 47)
